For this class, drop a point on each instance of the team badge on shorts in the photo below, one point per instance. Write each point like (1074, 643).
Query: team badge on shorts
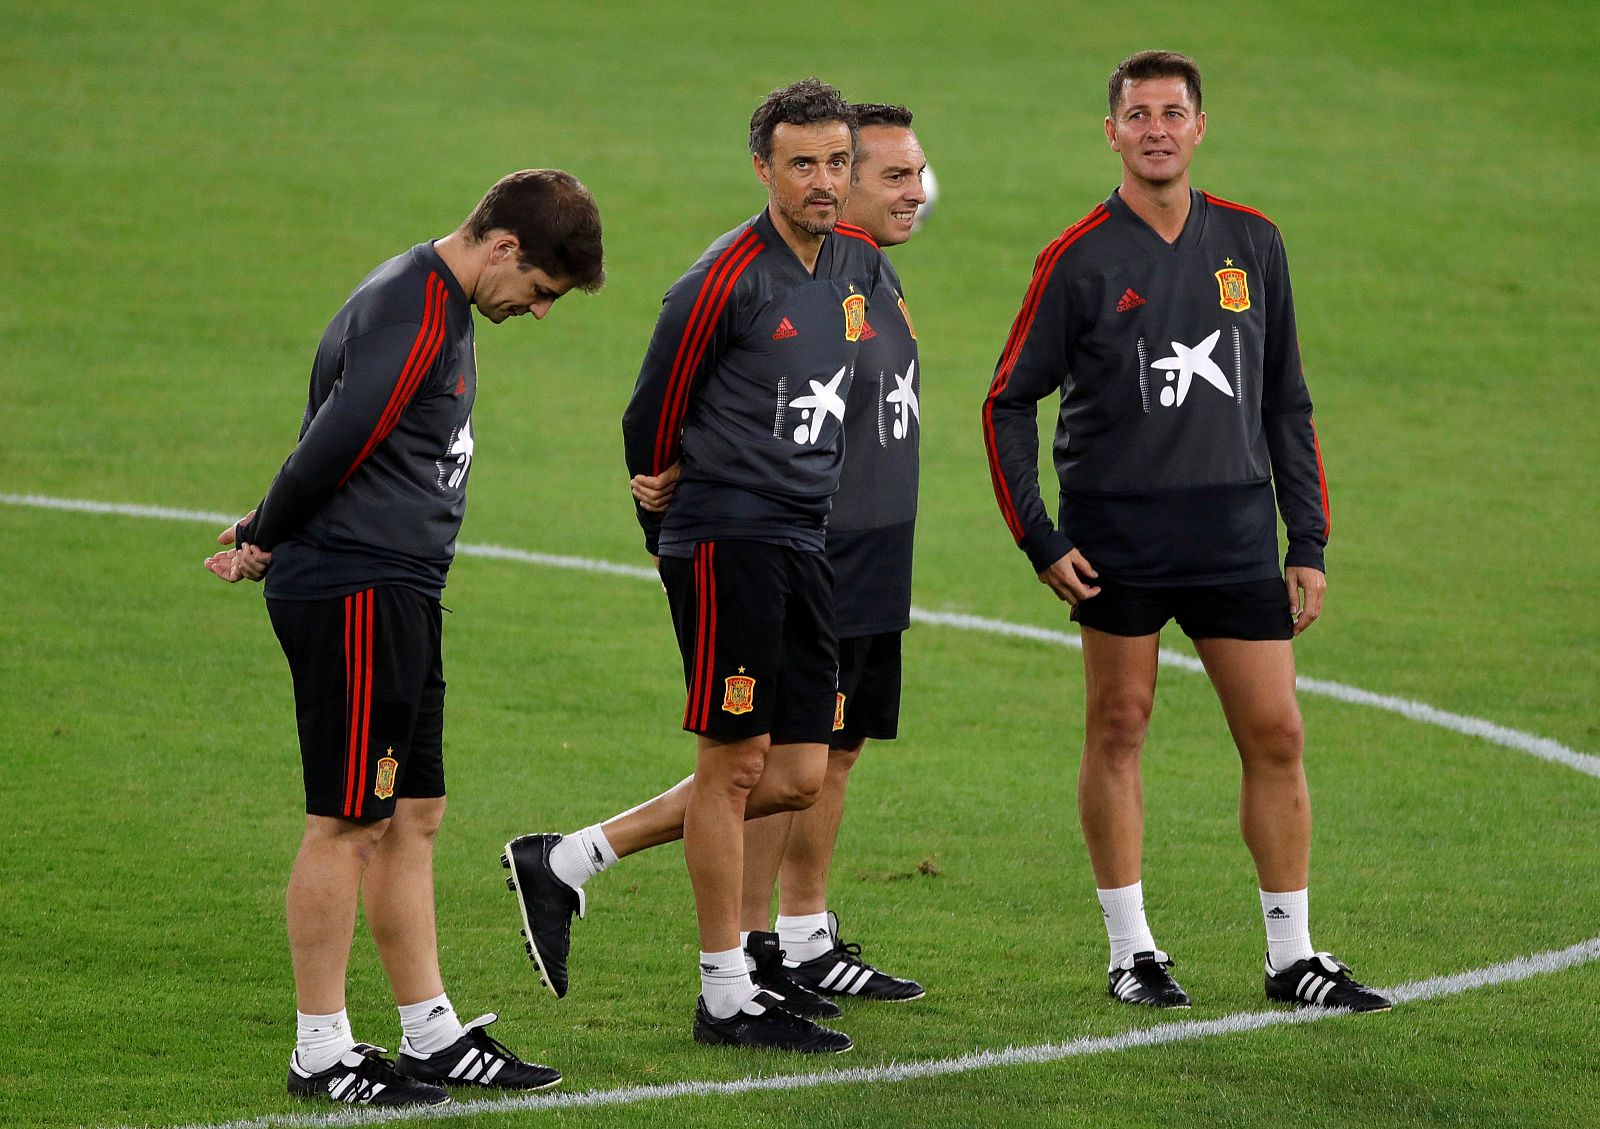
(384, 788)
(855, 316)
(740, 694)
(1235, 287)
(838, 713)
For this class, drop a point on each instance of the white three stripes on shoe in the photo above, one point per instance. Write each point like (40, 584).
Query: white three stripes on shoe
(476, 1062)
(352, 1089)
(1127, 985)
(1313, 988)
(851, 981)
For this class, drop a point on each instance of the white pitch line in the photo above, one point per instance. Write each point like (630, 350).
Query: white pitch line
(1161, 1034)
(1532, 744)
(1506, 972)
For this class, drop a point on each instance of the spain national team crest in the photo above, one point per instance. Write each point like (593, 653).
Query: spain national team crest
(384, 788)
(905, 313)
(838, 713)
(740, 694)
(855, 316)
(1235, 288)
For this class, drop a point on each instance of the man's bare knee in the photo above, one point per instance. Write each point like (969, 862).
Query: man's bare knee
(1116, 729)
(345, 836)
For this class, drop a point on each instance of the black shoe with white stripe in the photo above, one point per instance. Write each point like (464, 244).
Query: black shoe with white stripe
(362, 1077)
(842, 972)
(1143, 979)
(762, 1022)
(774, 977)
(476, 1059)
(547, 905)
(1322, 980)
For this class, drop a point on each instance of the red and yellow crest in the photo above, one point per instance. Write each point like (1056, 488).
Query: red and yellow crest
(384, 788)
(838, 712)
(740, 693)
(905, 313)
(855, 316)
(1235, 285)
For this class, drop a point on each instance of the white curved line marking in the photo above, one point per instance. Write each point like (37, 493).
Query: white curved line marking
(1541, 747)
(1160, 1034)
(1522, 968)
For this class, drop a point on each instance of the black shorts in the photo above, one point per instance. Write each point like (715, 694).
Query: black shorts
(1255, 609)
(756, 629)
(868, 704)
(368, 698)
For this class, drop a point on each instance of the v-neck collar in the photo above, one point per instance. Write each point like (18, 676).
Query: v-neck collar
(769, 232)
(1193, 225)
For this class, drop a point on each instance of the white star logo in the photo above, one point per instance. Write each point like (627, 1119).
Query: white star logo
(1190, 363)
(904, 399)
(815, 409)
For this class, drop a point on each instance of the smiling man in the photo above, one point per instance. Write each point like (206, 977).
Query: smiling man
(1164, 321)
(744, 388)
(355, 538)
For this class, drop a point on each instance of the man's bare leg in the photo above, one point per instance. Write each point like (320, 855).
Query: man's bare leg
(324, 888)
(1255, 682)
(808, 856)
(766, 842)
(397, 893)
(1120, 683)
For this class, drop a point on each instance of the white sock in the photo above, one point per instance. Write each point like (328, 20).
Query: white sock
(805, 936)
(744, 947)
(321, 1041)
(428, 1026)
(582, 855)
(725, 982)
(1288, 918)
(1126, 927)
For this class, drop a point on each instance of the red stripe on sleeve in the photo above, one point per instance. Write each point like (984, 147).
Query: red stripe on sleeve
(708, 306)
(1221, 203)
(424, 351)
(1043, 267)
(855, 232)
(1322, 480)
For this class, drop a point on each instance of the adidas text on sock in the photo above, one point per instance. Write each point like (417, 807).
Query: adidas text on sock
(725, 982)
(1288, 919)
(582, 855)
(429, 1026)
(805, 936)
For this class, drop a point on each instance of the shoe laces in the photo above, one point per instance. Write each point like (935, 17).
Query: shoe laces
(484, 1041)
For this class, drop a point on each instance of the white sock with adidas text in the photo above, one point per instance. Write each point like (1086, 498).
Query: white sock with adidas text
(1288, 918)
(805, 936)
(1126, 927)
(725, 982)
(582, 855)
(428, 1026)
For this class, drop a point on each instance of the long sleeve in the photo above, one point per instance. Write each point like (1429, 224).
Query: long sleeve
(1302, 489)
(382, 372)
(691, 332)
(1032, 366)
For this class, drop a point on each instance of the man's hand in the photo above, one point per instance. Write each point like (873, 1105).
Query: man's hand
(1306, 587)
(653, 492)
(243, 562)
(1069, 578)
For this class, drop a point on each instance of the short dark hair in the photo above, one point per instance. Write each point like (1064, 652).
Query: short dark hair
(807, 102)
(880, 113)
(1153, 64)
(555, 220)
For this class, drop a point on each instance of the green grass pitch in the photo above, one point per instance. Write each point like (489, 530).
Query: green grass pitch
(191, 189)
